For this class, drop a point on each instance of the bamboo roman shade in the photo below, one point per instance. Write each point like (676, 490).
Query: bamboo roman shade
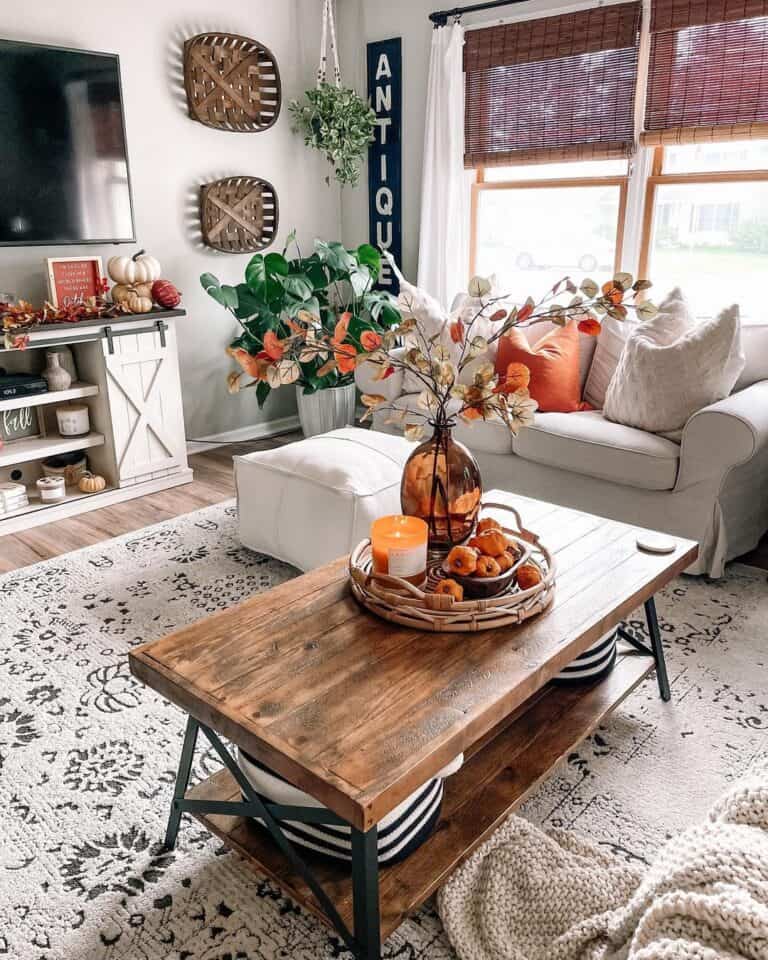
(708, 71)
(555, 88)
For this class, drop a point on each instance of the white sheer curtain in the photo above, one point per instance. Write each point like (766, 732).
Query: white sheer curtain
(443, 239)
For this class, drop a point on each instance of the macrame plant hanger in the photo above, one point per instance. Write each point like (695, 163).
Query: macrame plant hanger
(329, 28)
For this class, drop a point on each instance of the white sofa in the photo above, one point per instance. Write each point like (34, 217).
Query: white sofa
(711, 487)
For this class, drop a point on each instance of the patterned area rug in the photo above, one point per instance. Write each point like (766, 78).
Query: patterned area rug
(87, 755)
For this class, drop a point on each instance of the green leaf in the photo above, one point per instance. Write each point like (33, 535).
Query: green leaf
(336, 257)
(247, 304)
(390, 315)
(262, 392)
(370, 257)
(276, 265)
(256, 276)
(589, 288)
(229, 297)
(360, 279)
(297, 285)
(208, 281)
(211, 286)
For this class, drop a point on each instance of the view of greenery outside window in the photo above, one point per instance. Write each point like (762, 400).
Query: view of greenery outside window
(708, 229)
(535, 223)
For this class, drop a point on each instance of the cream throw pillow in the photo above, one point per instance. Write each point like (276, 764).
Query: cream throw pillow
(605, 359)
(673, 365)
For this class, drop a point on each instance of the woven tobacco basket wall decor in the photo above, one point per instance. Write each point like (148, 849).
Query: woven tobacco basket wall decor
(238, 214)
(232, 82)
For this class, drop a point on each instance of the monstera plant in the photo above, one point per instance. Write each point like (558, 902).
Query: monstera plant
(304, 320)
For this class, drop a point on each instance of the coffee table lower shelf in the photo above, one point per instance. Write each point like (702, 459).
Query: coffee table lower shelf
(499, 773)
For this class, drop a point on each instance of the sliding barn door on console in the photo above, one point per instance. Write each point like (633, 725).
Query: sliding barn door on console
(145, 401)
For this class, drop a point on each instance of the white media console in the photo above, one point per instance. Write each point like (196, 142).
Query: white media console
(128, 375)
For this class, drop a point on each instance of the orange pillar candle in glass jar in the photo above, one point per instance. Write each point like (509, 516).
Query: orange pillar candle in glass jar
(399, 547)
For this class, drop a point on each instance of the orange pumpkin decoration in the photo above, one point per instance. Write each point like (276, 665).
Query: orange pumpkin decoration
(505, 561)
(487, 567)
(528, 576)
(462, 560)
(491, 543)
(488, 523)
(452, 588)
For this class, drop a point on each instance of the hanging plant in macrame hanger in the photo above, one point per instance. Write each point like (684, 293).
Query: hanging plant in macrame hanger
(334, 118)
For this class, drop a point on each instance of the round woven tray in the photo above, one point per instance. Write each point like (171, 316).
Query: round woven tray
(394, 599)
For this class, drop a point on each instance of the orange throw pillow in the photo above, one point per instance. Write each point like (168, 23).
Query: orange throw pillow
(554, 366)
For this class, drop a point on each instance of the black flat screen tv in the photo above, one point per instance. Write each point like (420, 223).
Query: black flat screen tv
(64, 166)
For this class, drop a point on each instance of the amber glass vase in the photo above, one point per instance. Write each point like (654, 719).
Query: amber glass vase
(441, 485)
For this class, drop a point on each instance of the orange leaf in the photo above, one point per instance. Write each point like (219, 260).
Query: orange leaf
(342, 328)
(457, 331)
(524, 312)
(344, 362)
(590, 326)
(612, 292)
(370, 340)
(517, 377)
(253, 366)
(273, 346)
(499, 315)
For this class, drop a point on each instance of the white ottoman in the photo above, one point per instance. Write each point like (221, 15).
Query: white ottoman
(312, 501)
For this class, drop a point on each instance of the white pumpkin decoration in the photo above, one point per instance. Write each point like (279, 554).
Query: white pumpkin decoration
(140, 268)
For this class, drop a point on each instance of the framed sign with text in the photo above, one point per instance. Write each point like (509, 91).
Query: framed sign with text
(19, 424)
(72, 280)
(385, 92)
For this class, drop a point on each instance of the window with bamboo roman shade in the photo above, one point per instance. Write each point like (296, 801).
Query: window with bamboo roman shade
(555, 88)
(708, 71)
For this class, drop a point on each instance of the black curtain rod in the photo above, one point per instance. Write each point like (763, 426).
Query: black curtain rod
(440, 17)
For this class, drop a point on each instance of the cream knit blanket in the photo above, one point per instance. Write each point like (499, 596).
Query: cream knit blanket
(527, 895)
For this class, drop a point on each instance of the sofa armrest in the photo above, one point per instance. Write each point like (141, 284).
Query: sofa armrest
(391, 388)
(724, 435)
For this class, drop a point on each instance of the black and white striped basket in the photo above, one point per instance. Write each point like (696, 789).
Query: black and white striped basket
(597, 661)
(400, 833)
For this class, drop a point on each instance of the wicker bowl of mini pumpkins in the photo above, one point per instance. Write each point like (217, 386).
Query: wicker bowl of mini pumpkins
(443, 604)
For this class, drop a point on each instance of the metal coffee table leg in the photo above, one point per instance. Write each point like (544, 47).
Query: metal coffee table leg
(182, 782)
(365, 941)
(365, 892)
(656, 649)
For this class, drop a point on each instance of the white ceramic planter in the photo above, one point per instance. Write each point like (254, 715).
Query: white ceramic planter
(326, 410)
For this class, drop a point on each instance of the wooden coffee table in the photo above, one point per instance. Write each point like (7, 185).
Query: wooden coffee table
(359, 713)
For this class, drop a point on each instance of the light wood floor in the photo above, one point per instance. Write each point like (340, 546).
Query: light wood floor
(213, 483)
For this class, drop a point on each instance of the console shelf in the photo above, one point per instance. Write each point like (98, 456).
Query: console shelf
(36, 448)
(75, 392)
(127, 368)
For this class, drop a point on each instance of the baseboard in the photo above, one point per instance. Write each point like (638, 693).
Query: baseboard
(257, 431)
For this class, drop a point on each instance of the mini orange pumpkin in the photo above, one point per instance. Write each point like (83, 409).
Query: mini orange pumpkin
(452, 588)
(488, 523)
(528, 576)
(487, 567)
(462, 560)
(505, 561)
(491, 543)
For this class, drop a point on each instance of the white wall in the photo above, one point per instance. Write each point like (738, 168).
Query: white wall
(362, 21)
(170, 155)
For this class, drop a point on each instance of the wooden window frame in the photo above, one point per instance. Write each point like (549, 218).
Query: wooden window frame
(659, 178)
(480, 185)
